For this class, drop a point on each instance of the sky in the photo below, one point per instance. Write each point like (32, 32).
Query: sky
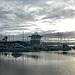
(43, 16)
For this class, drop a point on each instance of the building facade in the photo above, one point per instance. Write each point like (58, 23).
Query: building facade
(35, 39)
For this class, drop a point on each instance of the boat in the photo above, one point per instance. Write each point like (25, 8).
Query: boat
(65, 47)
(51, 48)
(54, 48)
(45, 48)
(73, 47)
(3, 48)
(18, 48)
(35, 48)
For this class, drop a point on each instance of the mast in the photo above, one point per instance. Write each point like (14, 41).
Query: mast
(64, 39)
(1, 36)
(58, 38)
(23, 36)
(13, 37)
(9, 36)
(45, 37)
(61, 39)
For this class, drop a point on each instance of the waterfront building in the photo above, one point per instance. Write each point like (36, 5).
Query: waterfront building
(35, 39)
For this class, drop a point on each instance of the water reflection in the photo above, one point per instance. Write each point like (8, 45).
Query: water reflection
(37, 63)
(32, 56)
(16, 55)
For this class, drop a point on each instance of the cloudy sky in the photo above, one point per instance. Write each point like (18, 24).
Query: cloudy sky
(43, 16)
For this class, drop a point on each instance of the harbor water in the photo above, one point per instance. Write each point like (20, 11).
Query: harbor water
(37, 63)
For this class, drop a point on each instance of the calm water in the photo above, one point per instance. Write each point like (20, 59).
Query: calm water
(37, 63)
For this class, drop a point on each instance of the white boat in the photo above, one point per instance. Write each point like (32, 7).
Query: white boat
(18, 48)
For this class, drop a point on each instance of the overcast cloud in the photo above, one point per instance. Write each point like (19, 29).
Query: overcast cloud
(36, 15)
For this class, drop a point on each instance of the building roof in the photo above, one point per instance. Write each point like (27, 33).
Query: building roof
(35, 35)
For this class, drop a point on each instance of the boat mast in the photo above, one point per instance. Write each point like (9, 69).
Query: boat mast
(61, 39)
(1, 35)
(9, 36)
(58, 38)
(23, 36)
(13, 37)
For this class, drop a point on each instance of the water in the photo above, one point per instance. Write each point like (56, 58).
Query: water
(37, 63)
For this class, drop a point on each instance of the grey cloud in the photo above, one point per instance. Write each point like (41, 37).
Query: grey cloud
(61, 34)
(25, 16)
(10, 27)
(52, 17)
(58, 13)
(26, 1)
(56, 10)
(17, 16)
(3, 14)
(15, 19)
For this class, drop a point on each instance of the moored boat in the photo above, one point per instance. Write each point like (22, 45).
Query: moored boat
(54, 48)
(18, 48)
(65, 47)
(3, 48)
